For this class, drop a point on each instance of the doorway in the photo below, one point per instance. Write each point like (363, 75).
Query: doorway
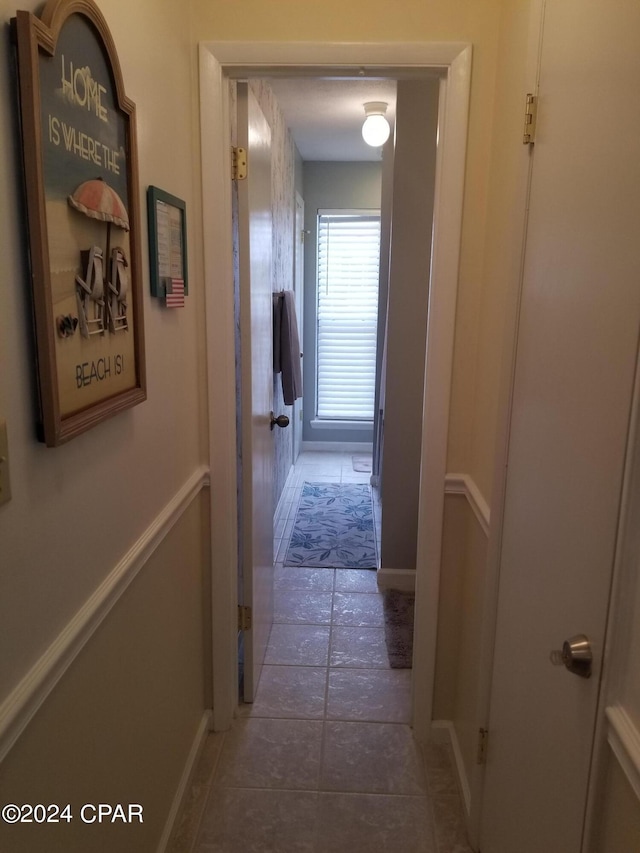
(219, 63)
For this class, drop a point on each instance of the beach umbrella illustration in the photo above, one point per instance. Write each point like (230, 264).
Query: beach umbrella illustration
(97, 200)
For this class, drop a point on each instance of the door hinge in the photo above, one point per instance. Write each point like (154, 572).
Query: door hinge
(238, 164)
(483, 737)
(244, 618)
(530, 116)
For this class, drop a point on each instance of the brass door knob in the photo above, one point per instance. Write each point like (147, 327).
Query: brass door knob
(281, 421)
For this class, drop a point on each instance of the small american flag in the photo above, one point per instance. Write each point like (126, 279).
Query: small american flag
(175, 297)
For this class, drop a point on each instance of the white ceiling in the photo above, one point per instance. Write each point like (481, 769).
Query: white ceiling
(325, 115)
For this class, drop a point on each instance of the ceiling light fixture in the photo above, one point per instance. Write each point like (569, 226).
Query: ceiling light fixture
(376, 129)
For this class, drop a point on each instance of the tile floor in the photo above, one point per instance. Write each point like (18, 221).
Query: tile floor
(324, 760)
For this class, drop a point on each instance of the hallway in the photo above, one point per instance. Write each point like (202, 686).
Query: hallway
(324, 760)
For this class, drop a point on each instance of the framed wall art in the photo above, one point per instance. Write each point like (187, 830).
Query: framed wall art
(81, 179)
(167, 244)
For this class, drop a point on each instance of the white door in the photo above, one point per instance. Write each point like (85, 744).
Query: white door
(298, 284)
(575, 362)
(256, 335)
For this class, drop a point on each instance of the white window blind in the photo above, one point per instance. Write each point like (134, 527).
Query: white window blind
(347, 317)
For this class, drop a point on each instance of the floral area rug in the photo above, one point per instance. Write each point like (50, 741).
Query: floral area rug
(333, 528)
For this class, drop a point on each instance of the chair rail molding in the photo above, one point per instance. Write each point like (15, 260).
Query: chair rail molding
(26, 698)
(624, 740)
(463, 484)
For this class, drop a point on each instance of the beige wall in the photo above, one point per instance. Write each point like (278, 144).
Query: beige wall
(78, 508)
(120, 724)
(122, 720)
(465, 715)
(456, 694)
(506, 199)
(450, 615)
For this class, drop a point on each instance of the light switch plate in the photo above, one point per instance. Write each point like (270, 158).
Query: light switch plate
(5, 484)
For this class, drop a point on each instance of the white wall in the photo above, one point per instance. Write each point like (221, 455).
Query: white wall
(124, 716)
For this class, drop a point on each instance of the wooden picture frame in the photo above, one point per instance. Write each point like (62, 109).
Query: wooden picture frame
(167, 218)
(82, 194)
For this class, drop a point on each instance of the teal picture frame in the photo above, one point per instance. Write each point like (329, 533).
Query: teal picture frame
(167, 217)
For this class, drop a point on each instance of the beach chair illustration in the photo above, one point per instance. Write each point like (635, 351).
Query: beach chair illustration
(100, 309)
(90, 293)
(117, 289)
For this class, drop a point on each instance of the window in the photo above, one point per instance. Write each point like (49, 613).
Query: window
(347, 314)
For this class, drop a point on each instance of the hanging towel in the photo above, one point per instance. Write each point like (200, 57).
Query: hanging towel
(278, 299)
(286, 346)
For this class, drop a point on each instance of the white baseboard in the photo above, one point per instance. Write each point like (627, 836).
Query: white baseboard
(402, 579)
(22, 703)
(445, 731)
(338, 446)
(184, 784)
(361, 426)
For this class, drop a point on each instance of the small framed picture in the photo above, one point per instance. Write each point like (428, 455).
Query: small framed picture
(167, 246)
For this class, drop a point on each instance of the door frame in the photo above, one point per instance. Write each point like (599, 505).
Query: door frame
(219, 63)
(254, 290)
(489, 606)
(298, 288)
